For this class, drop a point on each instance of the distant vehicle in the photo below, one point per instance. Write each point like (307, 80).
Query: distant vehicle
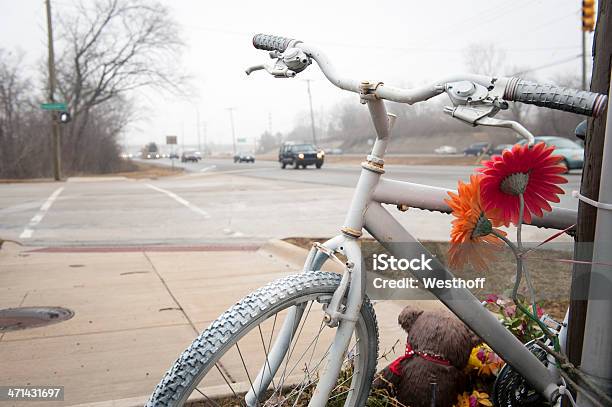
(476, 148)
(334, 151)
(173, 155)
(498, 149)
(300, 155)
(243, 157)
(572, 152)
(192, 156)
(152, 155)
(445, 150)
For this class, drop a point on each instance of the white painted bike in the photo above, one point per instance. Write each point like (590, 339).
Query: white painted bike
(312, 338)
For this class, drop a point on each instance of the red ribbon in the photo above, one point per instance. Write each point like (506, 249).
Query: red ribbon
(395, 366)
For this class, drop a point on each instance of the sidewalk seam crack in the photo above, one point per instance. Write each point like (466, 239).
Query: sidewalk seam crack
(176, 301)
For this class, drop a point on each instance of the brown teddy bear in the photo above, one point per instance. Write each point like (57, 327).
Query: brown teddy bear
(437, 350)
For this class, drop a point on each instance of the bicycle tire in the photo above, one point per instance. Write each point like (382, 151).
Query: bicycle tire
(512, 390)
(201, 356)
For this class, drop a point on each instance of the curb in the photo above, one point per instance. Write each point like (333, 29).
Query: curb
(9, 247)
(291, 255)
(96, 179)
(129, 402)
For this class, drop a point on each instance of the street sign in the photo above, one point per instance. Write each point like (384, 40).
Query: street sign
(241, 140)
(170, 139)
(53, 106)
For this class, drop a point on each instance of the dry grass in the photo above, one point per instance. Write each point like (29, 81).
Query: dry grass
(130, 169)
(146, 170)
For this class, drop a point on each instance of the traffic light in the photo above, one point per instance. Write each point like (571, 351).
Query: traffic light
(588, 15)
(64, 117)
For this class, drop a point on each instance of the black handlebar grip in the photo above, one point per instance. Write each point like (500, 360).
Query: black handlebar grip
(273, 42)
(554, 97)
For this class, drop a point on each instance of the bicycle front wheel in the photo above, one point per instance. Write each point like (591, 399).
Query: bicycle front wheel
(222, 364)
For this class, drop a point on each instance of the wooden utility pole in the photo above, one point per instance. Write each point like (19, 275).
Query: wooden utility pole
(591, 174)
(55, 130)
(312, 123)
(231, 115)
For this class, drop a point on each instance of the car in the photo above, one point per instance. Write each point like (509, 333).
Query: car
(498, 149)
(572, 152)
(151, 155)
(334, 151)
(477, 148)
(173, 155)
(445, 150)
(243, 157)
(300, 155)
(192, 156)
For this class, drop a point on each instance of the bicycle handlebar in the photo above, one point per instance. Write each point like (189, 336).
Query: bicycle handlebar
(554, 97)
(273, 42)
(513, 89)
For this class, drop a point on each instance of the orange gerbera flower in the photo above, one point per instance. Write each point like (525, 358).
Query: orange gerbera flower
(471, 238)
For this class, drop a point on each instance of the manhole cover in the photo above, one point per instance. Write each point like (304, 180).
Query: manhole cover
(13, 319)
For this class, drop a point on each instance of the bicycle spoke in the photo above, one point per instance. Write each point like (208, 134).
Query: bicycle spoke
(293, 340)
(208, 398)
(267, 360)
(229, 385)
(306, 350)
(307, 376)
(245, 369)
(340, 394)
(316, 343)
(303, 386)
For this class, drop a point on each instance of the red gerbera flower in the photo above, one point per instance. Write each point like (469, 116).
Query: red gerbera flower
(532, 171)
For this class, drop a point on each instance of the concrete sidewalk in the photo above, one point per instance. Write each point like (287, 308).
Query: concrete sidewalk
(135, 310)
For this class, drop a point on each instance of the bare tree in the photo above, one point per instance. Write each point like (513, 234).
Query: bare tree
(22, 144)
(112, 47)
(485, 59)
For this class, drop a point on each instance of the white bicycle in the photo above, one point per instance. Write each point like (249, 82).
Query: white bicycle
(312, 338)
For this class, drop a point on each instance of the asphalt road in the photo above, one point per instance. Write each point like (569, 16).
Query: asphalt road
(444, 176)
(215, 202)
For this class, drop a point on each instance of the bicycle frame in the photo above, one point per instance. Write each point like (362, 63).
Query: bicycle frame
(366, 212)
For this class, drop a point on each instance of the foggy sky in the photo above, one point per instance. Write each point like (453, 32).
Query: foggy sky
(398, 42)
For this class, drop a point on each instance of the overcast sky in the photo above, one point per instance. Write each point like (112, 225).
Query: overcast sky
(397, 42)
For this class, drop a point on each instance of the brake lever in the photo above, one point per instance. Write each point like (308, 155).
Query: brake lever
(287, 64)
(254, 68)
(482, 115)
(511, 124)
(476, 105)
(278, 70)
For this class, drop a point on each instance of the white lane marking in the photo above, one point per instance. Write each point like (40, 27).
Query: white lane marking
(181, 201)
(233, 233)
(28, 231)
(212, 167)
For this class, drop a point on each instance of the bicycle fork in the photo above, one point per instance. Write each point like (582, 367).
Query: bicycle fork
(346, 326)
